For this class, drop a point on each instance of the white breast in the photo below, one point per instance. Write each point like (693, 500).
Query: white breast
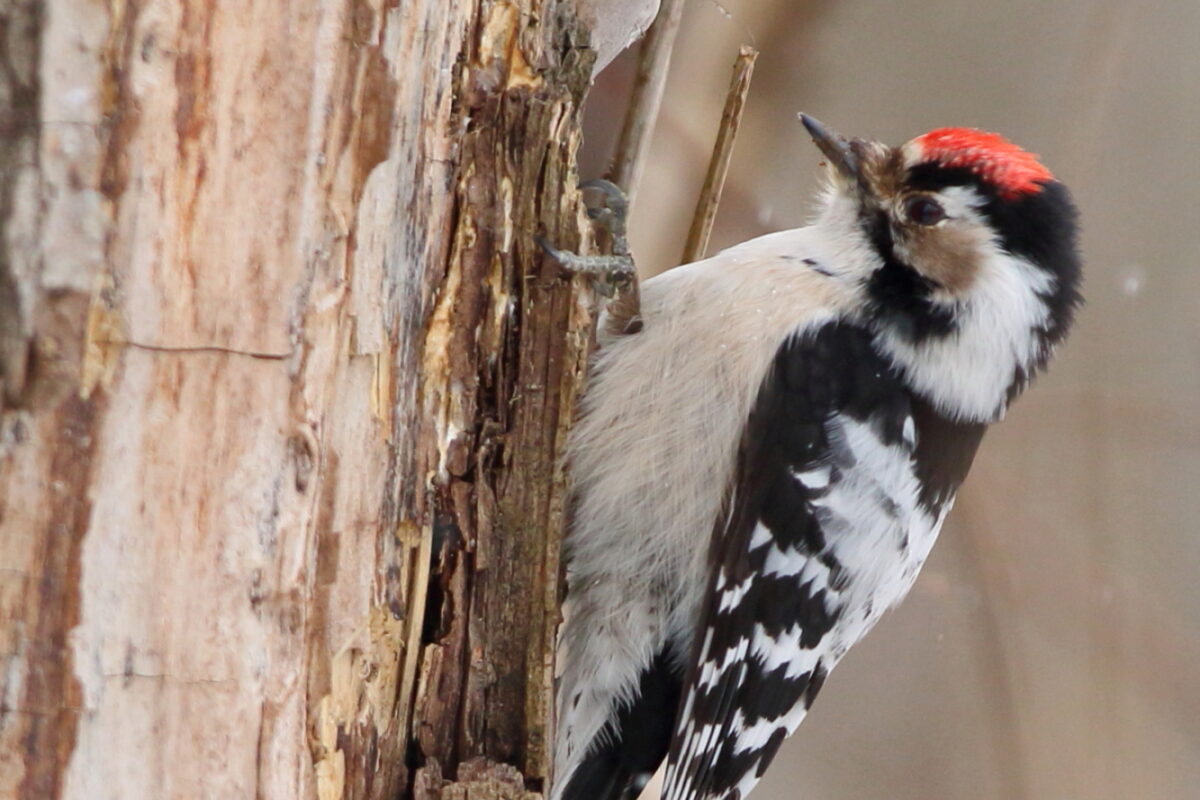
(653, 454)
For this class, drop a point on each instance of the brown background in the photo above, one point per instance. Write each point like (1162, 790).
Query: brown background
(1050, 650)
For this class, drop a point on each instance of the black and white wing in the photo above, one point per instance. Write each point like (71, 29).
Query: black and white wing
(828, 522)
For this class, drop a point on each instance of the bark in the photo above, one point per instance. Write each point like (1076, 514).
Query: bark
(286, 382)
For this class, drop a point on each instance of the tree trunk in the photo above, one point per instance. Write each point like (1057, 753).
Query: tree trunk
(285, 384)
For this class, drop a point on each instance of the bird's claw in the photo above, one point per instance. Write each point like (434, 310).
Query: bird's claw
(613, 213)
(610, 272)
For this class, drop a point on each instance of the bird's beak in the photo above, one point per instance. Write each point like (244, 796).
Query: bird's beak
(836, 148)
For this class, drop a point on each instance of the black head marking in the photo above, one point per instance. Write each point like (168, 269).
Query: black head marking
(901, 296)
(1041, 227)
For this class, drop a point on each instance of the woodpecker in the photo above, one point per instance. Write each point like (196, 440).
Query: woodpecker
(762, 468)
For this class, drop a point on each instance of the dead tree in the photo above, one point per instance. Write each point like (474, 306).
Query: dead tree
(285, 385)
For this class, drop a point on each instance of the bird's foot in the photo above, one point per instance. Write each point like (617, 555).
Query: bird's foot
(609, 272)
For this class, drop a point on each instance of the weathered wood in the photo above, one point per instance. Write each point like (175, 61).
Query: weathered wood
(223, 272)
(502, 393)
(279, 353)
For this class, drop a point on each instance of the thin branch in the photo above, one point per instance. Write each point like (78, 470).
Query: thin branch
(718, 166)
(646, 99)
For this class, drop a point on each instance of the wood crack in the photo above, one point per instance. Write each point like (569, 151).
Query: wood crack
(201, 348)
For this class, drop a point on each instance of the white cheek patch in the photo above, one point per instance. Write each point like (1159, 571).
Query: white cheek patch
(967, 374)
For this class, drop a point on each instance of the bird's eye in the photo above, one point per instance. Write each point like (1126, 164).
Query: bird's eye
(924, 210)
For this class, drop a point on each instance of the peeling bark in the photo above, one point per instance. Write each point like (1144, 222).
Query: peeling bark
(286, 383)
(501, 392)
(614, 25)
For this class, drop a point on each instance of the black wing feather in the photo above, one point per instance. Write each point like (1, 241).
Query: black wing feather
(834, 370)
(638, 741)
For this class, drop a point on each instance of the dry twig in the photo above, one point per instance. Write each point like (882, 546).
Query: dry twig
(718, 166)
(624, 312)
(646, 98)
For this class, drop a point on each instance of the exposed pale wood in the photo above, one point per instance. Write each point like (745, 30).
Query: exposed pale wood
(718, 166)
(217, 424)
(278, 353)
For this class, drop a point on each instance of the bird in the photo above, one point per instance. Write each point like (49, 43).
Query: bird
(761, 468)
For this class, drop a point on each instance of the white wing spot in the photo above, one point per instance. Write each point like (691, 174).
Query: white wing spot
(816, 574)
(734, 594)
(773, 652)
(755, 736)
(784, 562)
(762, 535)
(817, 478)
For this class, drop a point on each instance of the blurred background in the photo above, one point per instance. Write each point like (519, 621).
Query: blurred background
(1051, 648)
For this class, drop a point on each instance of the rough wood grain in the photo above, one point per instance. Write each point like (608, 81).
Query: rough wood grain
(279, 355)
(510, 374)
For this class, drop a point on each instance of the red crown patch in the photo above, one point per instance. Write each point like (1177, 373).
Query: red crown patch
(990, 156)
